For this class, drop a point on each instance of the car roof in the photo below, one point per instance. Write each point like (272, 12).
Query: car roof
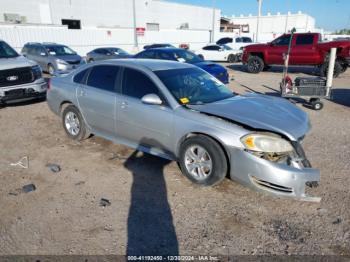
(166, 49)
(151, 64)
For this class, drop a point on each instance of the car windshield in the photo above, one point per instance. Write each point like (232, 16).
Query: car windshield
(7, 51)
(186, 56)
(59, 50)
(246, 40)
(117, 51)
(193, 86)
(226, 47)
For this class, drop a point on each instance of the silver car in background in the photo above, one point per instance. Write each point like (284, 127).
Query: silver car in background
(180, 112)
(53, 58)
(105, 53)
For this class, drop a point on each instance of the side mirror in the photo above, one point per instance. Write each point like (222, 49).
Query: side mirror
(151, 99)
(220, 50)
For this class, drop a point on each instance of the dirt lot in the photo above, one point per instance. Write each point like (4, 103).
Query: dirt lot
(154, 209)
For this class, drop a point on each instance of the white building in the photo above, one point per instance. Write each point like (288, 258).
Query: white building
(273, 25)
(105, 22)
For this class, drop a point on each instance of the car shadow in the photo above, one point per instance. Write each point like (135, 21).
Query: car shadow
(340, 96)
(23, 103)
(150, 224)
(279, 69)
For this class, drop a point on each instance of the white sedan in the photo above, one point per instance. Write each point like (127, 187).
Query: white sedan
(216, 52)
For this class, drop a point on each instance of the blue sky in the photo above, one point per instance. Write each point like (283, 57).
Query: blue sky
(329, 14)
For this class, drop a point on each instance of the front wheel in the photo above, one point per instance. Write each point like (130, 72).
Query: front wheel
(73, 123)
(203, 161)
(255, 64)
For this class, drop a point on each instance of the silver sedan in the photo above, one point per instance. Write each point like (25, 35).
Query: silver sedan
(179, 112)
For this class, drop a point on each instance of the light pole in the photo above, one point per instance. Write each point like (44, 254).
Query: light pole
(213, 23)
(257, 20)
(136, 45)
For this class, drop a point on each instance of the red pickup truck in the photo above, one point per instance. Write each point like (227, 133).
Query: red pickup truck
(306, 49)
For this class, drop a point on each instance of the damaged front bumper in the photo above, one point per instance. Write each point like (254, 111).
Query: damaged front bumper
(271, 177)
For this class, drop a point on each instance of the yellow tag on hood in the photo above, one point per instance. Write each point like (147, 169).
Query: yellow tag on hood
(184, 100)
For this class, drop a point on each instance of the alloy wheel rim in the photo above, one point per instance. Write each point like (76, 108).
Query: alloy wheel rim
(198, 162)
(72, 123)
(255, 65)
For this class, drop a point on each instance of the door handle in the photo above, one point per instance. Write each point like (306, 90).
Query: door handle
(124, 104)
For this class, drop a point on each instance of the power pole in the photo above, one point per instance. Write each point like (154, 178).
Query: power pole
(212, 39)
(136, 45)
(257, 20)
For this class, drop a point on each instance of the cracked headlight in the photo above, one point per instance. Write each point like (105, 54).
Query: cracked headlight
(268, 143)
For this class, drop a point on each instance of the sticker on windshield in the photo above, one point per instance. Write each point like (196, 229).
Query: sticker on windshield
(184, 100)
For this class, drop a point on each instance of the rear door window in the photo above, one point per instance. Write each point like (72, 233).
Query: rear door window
(305, 40)
(103, 77)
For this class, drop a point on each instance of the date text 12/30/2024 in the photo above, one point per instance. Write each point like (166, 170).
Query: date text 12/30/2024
(173, 258)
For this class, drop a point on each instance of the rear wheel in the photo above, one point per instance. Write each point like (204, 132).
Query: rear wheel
(73, 123)
(336, 72)
(203, 161)
(231, 58)
(255, 64)
(344, 67)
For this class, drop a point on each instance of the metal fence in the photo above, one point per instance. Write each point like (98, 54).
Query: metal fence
(86, 39)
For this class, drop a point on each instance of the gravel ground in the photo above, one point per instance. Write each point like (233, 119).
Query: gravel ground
(152, 208)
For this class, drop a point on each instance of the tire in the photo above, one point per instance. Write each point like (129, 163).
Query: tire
(336, 72)
(91, 60)
(231, 58)
(316, 104)
(208, 167)
(71, 116)
(51, 69)
(344, 67)
(201, 57)
(255, 64)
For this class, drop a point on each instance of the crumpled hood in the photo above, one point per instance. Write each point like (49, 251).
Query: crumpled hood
(261, 112)
(210, 67)
(15, 62)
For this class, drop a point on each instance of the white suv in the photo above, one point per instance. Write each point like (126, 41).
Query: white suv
(20, 78)
(236, 43)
